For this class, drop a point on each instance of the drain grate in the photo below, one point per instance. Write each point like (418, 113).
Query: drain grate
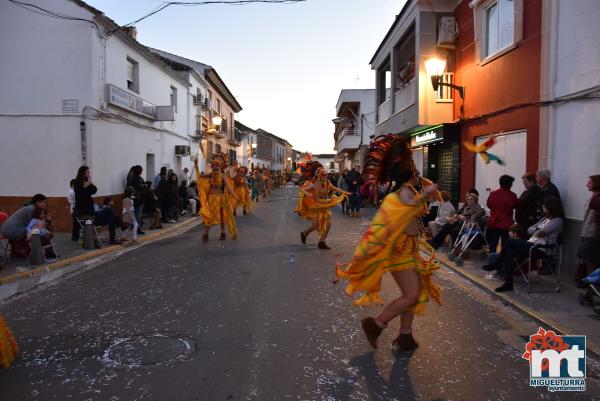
(147, 350)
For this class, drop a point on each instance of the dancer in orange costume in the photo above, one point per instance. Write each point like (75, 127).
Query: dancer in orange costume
(8, 345)
(395, 243)
(242, 191)
(215, 203)
(318, 199)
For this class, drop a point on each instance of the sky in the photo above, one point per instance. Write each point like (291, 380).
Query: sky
(285, 64)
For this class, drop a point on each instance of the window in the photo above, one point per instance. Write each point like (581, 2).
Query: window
(497, 25)
(231, 119)
(133, 75)
(219, 106)
(217, 148)
(174, 98)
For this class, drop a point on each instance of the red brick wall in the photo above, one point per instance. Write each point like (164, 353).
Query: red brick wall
(58, 207)
(511, 79)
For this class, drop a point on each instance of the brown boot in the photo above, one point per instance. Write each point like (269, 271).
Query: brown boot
(222, 237)
(323, 245)
(205, 238)
(372, 330)
(404, 342)
(303, 237)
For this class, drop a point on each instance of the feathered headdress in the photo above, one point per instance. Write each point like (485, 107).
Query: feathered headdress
(220, 159)
(385, 152)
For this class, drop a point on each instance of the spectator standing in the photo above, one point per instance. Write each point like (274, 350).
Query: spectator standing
(135, 181)
(527, 208)
(84, 189)
(184, 176)
(354, 181)
(589, 247)
(501, 203)
(71, 200)
(343, 184)
(547, 189)
(129, 213)
(183, 197)
(151, 206)
(160, 176)
(171, 197)
(194, 201)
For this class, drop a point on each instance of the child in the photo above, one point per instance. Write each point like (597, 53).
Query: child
(38, 222)
(129, 214)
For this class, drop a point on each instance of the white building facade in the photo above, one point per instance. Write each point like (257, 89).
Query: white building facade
(99, 98)
(571, 68)
(354, 126)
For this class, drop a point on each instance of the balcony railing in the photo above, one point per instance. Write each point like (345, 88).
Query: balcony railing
(444, 93)
(383, 111)
(405, 97)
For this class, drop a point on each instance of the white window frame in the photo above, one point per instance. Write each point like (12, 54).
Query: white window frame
(480, 8)
(173, 96)
(135, 87)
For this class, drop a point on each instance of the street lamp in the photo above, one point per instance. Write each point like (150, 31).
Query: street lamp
(217, 120)
(435, 69)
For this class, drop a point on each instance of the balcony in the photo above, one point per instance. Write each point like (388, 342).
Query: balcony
(383, 111)
(405, 97)
(349, 139)
(220, 134)
(235, 142)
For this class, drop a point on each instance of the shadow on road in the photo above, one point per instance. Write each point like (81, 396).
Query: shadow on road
(364, 367)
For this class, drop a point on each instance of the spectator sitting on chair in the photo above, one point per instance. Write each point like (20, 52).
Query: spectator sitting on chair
(527, 208)
(38, 222)
(471, 212)
(84, 189)
(15, 227)
(151, 206)
(106, 216)
(501, 203)
(544, 233)
(445, 211)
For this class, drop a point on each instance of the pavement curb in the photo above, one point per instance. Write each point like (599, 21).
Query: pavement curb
(518, 306)
(38, 271)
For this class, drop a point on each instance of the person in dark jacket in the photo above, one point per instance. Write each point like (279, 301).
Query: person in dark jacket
(151, 206)
(135, 181)
(170, 196)
(527, 208)
(354, 180)
(547, 190)
(84, 203)
(501, 203)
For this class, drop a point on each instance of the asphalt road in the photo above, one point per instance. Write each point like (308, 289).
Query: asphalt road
(234, 320)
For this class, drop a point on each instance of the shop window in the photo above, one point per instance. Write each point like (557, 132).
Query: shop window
(498, 26)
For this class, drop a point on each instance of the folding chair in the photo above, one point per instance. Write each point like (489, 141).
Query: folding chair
(81, 221)
(549, 256)
(469, 231)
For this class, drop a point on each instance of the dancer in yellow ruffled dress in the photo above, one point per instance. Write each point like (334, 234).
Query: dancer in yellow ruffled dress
(395, 243)
(319, 196)
(242, 191)
(215, 192)
(8, 345)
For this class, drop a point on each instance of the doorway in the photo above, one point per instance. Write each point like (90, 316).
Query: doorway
(150, 170)
(512, 149)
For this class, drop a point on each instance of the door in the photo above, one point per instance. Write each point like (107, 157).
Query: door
(418, 159)
(150, 171)
(511, 148)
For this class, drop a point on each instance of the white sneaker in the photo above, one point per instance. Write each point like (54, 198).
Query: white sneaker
(172, 221)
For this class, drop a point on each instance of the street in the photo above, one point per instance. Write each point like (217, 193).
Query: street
(235, 320)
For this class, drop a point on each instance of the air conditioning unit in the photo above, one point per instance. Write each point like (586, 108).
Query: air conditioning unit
(447, 32)
(206, 103)
(182, 150)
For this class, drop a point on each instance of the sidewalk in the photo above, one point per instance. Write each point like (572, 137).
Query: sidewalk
(72, 253)
(559, 311)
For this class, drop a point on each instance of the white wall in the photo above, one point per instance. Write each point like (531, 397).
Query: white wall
(576, 147)
(44, 60)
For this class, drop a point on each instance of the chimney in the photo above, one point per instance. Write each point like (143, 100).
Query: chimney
(131, 31)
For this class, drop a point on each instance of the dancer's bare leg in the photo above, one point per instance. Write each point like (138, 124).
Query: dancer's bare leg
(409, 283)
